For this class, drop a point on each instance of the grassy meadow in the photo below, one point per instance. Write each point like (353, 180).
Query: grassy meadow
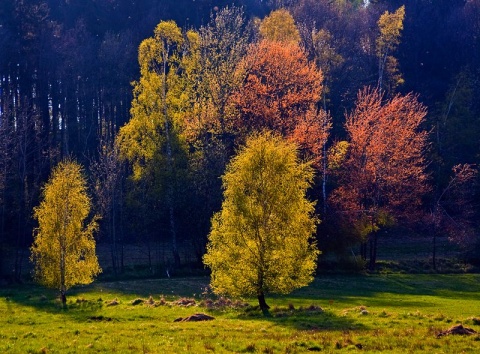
(392, 313)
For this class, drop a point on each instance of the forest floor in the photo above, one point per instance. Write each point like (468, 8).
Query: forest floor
(390, 313)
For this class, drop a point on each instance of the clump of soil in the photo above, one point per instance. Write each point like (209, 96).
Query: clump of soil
(100, 318)
(314, 308)
(137, 301)
(150, 301)
(195, 318)
(184, 302)
(114, 302)
(458, 330)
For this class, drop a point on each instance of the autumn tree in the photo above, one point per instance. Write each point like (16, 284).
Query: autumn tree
(327, 59)
(260, 241)
(63, 250)
(223, 43)
(281, 91)
(390, 26)
(383, 177)
(279, 26)
(150, 140)
(207, 124)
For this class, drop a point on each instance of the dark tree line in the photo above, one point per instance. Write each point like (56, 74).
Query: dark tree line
(66, 69)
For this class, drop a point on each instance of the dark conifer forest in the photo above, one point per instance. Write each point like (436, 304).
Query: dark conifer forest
(74, 84)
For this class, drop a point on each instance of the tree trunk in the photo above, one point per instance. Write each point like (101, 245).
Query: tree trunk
(263, 304)
(63, 297)
(63, 288)
(363, 250)
(324, 163)
(373, 251)
(170, 167)
(434, 251)
(113, 235)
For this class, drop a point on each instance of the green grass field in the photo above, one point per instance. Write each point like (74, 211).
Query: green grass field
(366, 313)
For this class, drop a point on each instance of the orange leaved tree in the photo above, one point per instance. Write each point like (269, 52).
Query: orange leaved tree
(383, 176)
(280, 92)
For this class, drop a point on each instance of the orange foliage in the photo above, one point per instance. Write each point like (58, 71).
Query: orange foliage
(384, 171)
(280, 93)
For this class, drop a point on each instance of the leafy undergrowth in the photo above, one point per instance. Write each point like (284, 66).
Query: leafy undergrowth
(382, 313)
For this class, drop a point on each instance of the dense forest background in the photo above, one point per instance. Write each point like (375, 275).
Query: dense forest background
(66, 68)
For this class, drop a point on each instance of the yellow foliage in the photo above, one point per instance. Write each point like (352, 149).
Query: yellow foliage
(390, 26)
(160, 96)
(260, 241)
(326, 56)
(63, 251)
(280, 26)
(337, 154)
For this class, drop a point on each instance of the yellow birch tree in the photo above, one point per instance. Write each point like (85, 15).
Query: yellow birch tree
(260, 242)
(63, 251)
(390, 26)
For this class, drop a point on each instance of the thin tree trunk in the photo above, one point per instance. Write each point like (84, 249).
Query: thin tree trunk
(170, 191)
(122, 248)
(373, 251)
(113, 235)
(324, 162)
(63, 290)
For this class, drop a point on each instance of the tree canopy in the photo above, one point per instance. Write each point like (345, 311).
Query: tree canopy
(384, 174)
(261, 240)
(63, 251)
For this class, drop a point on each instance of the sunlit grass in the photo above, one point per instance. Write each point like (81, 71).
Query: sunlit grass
(392, 313)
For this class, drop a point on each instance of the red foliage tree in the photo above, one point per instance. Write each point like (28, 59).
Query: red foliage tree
(383, 177)
(281, 91)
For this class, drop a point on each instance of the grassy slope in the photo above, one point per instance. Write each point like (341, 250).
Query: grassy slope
(401, 313)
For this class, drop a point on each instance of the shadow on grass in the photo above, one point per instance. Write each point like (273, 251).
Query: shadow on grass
(48, 301)
(366, 286)
(371, 290)
(311, 318)
(84, 303)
